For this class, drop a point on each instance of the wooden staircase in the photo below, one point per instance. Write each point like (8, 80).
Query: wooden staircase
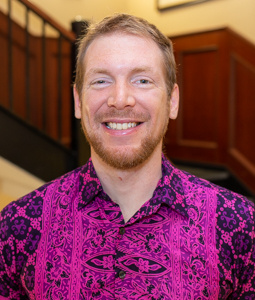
(38, 131)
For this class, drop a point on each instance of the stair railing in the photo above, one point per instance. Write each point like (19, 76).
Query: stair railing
(63, 35)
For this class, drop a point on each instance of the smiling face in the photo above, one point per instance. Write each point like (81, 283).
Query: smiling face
(125, 106)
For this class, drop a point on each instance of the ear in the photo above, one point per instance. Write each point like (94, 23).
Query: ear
(174, 102)
(77, 103)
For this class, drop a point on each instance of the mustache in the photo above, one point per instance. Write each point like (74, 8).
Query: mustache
(127, 113)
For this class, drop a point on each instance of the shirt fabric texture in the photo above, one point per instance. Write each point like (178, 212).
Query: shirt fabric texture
(68, 240)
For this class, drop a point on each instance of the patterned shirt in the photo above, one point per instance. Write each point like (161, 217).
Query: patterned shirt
(68, 240)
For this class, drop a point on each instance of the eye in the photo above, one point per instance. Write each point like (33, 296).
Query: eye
(143, 81)
(100, 83)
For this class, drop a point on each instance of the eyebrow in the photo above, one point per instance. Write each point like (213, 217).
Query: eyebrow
(141, 69)
(96, 71)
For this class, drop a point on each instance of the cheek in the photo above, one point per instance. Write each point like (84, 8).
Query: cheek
(89, 112)
(85, 113)
(93, 101)
(158, 108)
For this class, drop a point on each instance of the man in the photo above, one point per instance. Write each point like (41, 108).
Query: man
(128, 224)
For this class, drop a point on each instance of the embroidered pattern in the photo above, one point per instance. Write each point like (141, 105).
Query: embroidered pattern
(68, 240)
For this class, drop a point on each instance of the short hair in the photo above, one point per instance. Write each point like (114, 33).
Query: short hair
(125, 23)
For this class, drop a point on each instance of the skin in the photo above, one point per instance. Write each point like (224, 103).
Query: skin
(124, 82)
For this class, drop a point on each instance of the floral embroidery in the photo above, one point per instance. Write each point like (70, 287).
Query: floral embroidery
(192, 240)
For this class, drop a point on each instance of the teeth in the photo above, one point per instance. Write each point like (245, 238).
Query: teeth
(121, 126)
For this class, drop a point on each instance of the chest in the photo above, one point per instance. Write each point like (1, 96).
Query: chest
(91, 254)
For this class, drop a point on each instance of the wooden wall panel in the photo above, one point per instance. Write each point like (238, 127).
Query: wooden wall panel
(4, 62)
(18, 71)
(216, 123)
(198, 110)
(51, 68)
(242, 119)
(242, 106)
(67, 104)
(197, 132)
(30, 108)
(35, 90)
(58, 101)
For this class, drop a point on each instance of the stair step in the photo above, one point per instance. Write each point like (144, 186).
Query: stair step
(15, 182)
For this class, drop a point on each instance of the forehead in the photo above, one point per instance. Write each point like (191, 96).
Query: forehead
(121, 47)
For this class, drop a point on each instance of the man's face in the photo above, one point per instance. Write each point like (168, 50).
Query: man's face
(125, 107)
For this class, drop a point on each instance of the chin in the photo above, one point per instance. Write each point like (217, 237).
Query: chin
(126, 159)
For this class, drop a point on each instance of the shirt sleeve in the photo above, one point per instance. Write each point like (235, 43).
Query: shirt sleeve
(244, 272)
(12, 229)
(235, 241)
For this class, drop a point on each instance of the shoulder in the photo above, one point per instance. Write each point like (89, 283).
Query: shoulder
(36, 197)
(232, 209)
(235, 207)
(235, 242)
(21, 227)
(16, 217)
(234, 229)
(28, 209)
(226, 199)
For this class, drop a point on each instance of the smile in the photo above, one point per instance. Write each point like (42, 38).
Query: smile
(121, 126)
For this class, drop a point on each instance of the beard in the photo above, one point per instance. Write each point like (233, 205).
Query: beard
(125, 157)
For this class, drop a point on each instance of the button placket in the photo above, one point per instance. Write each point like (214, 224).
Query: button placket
(122, 274)
(122, 230)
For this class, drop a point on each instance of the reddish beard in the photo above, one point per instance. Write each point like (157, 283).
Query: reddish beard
(124, 158)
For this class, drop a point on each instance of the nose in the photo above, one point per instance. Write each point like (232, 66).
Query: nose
(121, 96)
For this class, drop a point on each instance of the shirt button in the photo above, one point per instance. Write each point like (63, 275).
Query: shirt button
(121, 230)
(122, 274)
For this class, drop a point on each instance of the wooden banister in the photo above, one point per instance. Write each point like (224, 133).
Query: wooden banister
(39, 91)
(65, 33)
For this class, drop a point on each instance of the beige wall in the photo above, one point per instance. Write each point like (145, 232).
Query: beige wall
(236, 14)
(64, 11)
(239, 15)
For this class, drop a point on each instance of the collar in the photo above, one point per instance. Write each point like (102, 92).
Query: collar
(171, 190)
(89, 184)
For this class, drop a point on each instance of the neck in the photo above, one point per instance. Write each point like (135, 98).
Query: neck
(130, 189)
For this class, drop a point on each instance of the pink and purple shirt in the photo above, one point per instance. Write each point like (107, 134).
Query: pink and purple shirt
(68, 240)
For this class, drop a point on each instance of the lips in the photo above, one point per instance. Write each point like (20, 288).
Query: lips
(121, 126)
